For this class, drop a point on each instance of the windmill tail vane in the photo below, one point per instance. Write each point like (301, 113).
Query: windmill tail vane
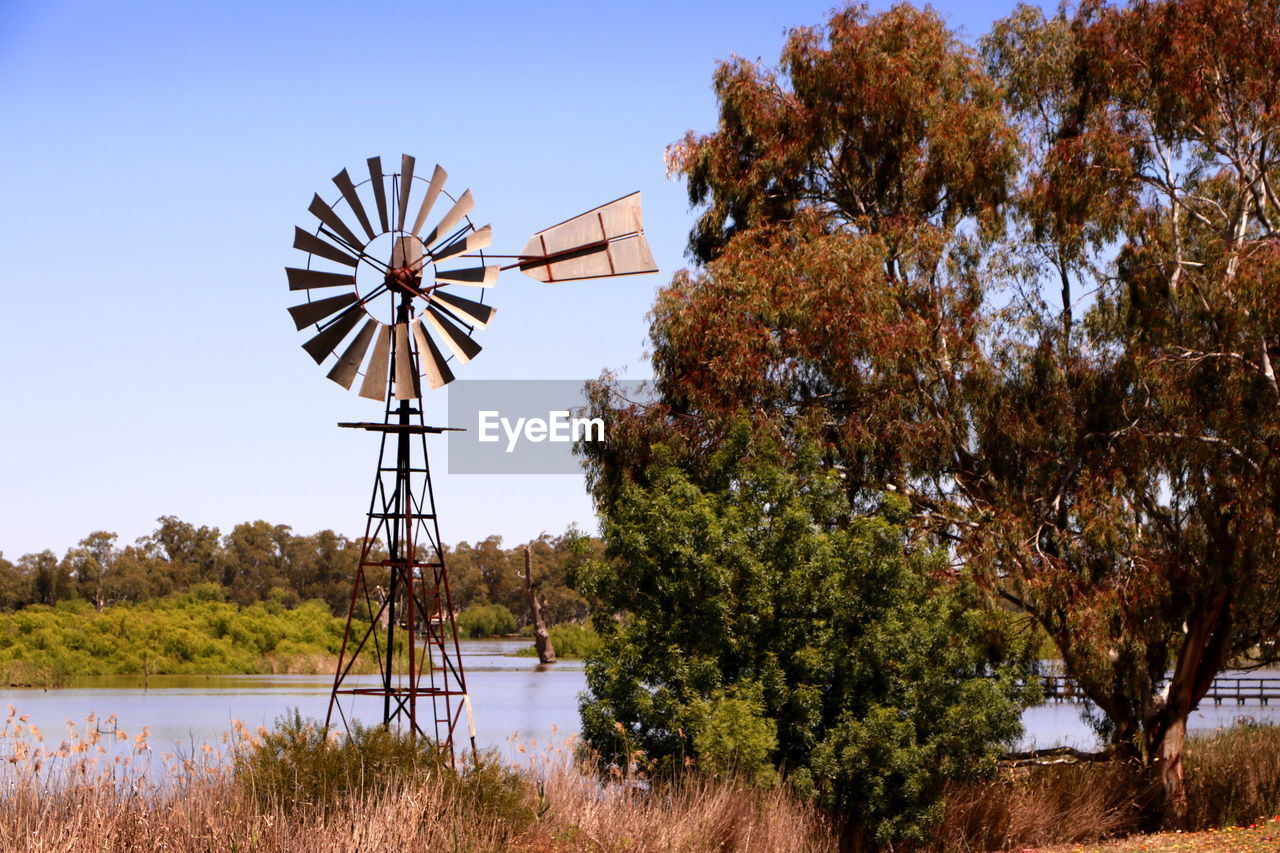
(601, 243)
(402, 322)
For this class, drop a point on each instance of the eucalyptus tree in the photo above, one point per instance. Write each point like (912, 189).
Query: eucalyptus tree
(835, 320)
(1036, 296)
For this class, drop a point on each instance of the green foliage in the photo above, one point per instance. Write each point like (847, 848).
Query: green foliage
(486, 620)
(574, 641)
(261, 562)
(757, 606)
(189, 634)
(298, 766)
(487, 573)
(733, 736)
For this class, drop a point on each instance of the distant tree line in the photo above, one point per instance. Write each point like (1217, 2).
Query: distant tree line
(259, 561)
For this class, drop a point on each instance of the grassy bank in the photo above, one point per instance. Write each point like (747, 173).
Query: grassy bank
(193, 633)
(294, 789)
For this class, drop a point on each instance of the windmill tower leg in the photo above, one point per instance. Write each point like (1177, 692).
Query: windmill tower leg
(408, 630)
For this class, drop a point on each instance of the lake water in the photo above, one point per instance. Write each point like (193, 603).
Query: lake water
(516, 701)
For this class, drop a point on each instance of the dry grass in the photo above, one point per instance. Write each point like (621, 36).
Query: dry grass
(1043, 805)
(699, 814)
(579, 816)
(1232, 778)
(1260, 837)
(96, 791)
(74, 797)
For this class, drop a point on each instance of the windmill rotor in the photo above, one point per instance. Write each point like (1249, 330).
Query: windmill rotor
(389, 251)
(369, 243)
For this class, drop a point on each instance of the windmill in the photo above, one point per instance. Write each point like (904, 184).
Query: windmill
(385, 304)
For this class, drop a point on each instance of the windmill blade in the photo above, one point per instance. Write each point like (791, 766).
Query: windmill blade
(406, 186)
(307, 279)
(430, 359)
(344, 372)
(313, 312)
(374, 386)
(438, 177)
(477, 312)
(407, 252)
(606, 241)
(343, 182)
(326, 215)
(454, 338)
(328, 339)
(308, 242)
(474, 241)
(379, 191)
(470, 276)
(406, 384)
(460, 208)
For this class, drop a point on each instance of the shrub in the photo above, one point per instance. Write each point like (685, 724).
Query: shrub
(735, 737)
(884, 677)
(207, 592)
(299, 765)
(486, 790)
(486, 620)
(575, 641)
(187, 633)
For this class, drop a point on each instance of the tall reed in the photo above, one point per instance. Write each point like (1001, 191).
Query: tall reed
(291, 790)
(1232, 778)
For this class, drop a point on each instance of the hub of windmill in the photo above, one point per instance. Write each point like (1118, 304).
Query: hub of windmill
(406, 280)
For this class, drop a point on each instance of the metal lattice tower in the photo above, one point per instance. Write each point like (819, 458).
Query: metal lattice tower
(401, 606)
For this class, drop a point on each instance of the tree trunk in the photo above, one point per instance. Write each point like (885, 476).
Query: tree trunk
(1171, 778)
(1203, 653)
(541, 638)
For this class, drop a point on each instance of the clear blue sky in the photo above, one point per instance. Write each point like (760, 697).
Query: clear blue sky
(156, 157)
